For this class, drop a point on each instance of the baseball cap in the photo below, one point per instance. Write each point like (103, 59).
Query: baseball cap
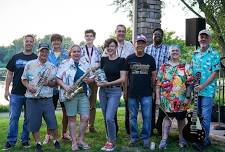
(43, 46)
(204, 32)
(141, 38)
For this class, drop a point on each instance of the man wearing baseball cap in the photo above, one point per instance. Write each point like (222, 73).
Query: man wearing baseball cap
(205, 60)
(141, 75)
(39, 79)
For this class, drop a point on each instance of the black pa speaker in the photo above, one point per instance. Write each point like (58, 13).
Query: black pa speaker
(193, 27)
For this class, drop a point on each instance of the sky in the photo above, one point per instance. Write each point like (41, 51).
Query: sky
(72, 17)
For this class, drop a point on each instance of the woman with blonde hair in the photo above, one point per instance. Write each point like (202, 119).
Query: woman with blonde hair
(69, 72)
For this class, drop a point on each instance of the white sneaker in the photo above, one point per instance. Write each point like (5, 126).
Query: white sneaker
(47, 139)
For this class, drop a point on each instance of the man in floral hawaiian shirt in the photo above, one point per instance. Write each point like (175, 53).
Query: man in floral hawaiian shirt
(206, 61)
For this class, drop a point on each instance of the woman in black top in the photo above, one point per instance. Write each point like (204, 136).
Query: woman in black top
(110, 91)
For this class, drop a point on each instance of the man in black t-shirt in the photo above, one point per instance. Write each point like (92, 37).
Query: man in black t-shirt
(141, 76)
(15, 69)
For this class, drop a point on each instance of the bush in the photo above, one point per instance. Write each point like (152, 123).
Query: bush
(4, 108)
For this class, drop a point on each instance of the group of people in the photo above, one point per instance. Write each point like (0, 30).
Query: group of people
(152, 77)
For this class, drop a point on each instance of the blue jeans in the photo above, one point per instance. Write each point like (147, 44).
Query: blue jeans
(146, 110)
(205, 110)
(16, 104)
(109, 102)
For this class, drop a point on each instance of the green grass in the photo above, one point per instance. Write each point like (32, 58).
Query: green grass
(96, 140)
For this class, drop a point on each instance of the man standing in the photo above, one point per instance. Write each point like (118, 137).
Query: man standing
(15, 69)
(125, 48)
(90, 57)
(160, 53)
(141, 76)
(206, 61)
(39, 79)
(56, 56)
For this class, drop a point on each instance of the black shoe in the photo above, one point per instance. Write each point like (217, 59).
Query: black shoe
(197, 146)
(57, 145)
(26, 145)
(7, 146)
(38, 148)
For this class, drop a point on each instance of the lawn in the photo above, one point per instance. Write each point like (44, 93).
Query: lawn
(96, 140)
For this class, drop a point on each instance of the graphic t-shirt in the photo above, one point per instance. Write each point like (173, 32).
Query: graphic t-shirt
(16, 64)
(140, 75)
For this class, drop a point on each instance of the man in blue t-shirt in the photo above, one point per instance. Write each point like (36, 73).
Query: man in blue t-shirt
(15, 69)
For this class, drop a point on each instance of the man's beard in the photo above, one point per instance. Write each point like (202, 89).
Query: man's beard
(158, 41)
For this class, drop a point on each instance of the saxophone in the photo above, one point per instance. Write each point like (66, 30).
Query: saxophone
(76, 87)
(44, 75)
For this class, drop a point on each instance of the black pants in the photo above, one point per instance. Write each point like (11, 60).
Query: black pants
(159, 122)
(55, 99)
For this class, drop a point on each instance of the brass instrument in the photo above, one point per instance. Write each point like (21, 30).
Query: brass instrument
(76, 87)
(44, 75)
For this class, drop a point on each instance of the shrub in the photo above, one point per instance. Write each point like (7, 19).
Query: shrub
(4, 108)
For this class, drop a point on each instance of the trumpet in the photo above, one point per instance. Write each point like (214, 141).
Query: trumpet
(40, 84)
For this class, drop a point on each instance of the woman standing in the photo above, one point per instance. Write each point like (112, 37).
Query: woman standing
(69, 72)
(173, 79)
(110, 91)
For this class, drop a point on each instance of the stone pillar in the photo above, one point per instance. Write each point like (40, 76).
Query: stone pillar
(146, 17)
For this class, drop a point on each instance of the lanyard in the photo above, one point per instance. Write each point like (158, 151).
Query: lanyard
(92, 50)
(120, 51)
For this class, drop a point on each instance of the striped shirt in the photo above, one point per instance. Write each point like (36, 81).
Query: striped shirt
(160, 54)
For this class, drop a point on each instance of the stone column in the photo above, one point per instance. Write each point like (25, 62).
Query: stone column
(146, 17)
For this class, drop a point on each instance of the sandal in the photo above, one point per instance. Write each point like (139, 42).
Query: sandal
(74, 147)
(83, 146)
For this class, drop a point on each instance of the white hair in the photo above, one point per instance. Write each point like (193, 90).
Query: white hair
(172, 47)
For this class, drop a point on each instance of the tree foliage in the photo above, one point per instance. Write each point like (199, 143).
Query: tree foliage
(125, 4)
(214, 12)
(6, 52)
(186, 51)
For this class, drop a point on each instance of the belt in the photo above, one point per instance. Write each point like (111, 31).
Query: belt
(40, 98)
(115, 86)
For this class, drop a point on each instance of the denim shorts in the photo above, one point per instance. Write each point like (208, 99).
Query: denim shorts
(78, 105)
(36, 108)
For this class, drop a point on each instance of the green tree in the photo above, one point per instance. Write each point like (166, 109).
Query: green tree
(186, 51)
(6, 52)
(126, 5)
(212, 10)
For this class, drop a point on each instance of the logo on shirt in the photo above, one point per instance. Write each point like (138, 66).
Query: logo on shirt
(139, 68)
(20, 63)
